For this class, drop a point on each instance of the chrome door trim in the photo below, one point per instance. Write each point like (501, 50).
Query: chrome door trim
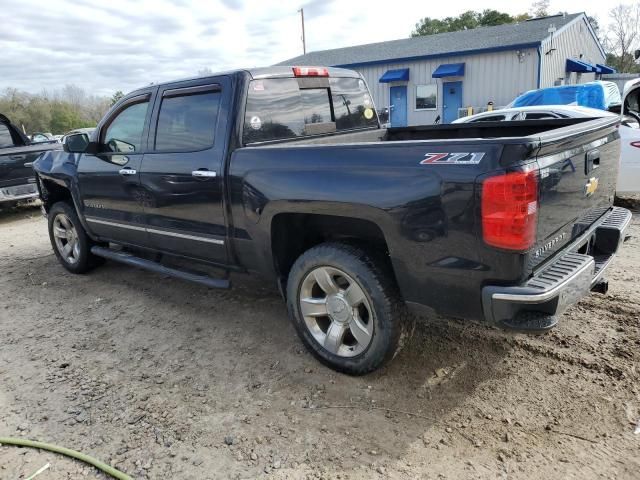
(115, 224)
(153, 230)
(188, 237)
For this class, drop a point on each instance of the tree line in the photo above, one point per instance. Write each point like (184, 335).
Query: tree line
(56, 111)
(620, 37)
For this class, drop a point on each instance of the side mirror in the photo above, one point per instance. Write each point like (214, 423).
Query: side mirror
(76, 143)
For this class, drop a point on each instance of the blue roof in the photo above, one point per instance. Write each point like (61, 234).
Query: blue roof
(399, 75)
(449, 70)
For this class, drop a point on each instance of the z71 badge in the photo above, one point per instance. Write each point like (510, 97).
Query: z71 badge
(459, 158)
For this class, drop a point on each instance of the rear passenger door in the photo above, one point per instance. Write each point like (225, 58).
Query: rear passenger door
(182, 173)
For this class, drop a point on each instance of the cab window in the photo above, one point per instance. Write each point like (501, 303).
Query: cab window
(124, 133)
(5, 136)
(187, 122)
(282, 108)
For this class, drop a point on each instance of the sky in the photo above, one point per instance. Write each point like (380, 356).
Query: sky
(109, 45)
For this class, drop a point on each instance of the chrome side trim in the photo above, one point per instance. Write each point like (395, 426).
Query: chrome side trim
(188, 237)
(153, 230)
(115, 224)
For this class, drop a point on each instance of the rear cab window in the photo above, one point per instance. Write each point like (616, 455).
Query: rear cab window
(289, 108)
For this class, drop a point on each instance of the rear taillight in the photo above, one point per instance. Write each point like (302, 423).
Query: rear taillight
(635, 144)
(510, 210)
(310, 71)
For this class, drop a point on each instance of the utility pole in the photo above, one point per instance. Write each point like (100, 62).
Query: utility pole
(304, 43)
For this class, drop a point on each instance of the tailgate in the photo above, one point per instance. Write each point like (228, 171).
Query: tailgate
(578, 171)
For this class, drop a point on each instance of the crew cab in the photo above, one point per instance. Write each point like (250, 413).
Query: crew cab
(17, 154)
(285, 172)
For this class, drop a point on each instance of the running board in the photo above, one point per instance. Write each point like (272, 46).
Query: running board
(129, 259)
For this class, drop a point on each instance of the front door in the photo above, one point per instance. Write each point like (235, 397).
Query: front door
(109, 180)
(398, 106)
(452, 95)
(182, 175)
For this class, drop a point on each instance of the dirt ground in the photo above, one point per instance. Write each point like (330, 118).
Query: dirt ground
(169, 380)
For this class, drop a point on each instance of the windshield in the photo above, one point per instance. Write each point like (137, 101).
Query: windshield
(281, 108)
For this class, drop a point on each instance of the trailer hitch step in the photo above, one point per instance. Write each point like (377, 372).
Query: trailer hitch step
(129, 259)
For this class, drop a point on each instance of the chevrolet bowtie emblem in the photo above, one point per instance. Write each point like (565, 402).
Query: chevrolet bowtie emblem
(591, 186)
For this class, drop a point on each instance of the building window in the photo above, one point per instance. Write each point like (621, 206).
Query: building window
(427, 97)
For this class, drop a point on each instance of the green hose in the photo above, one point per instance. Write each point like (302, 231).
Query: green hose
(19, 442)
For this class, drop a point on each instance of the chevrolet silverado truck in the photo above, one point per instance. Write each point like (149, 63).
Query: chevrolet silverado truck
(17, 154)
(285, 172)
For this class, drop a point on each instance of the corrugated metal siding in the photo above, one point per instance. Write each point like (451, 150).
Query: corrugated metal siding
(498, 77)
(570, 42)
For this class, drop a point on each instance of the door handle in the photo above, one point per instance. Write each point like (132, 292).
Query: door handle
(17, 157)
(592, 160)
(127, 171)
(28, 164)
(203, 174)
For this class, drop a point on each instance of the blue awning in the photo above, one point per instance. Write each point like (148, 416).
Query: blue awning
(449, 70)
(579, 66)
(606, 69)
(400, 75)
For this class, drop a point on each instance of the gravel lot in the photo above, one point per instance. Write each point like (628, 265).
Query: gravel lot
(168, 380)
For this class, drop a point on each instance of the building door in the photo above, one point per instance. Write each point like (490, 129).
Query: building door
(452, 96)
(398, 106)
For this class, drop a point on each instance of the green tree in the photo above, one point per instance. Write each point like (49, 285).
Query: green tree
(540, 8)
(623, 37)
(116, 96)
(465, 21)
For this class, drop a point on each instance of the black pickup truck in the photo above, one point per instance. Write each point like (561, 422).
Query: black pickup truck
(17, 154)
(285, 172)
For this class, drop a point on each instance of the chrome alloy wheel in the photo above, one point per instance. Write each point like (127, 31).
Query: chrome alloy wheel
(336, 311)
(66, 238)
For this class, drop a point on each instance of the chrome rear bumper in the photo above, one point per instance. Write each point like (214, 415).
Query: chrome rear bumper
(561, 283)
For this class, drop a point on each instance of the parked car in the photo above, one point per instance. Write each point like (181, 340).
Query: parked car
(40, 137)
(534, 113)
(285, 172)
(17, 153)
(600, 94)
(629, 174)
(629, 178)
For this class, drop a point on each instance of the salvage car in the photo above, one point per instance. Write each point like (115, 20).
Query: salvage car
(17, 153)
(285, 172)
(534, 113)
(605, 97)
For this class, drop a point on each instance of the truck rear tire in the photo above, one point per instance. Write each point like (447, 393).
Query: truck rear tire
(69, 240)
(346, 307)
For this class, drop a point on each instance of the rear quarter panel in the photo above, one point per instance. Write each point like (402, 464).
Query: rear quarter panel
(426, 212)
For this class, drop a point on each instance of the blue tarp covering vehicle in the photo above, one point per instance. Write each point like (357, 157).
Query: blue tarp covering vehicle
(601, 95)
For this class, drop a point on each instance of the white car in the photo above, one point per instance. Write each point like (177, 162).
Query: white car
(538, 112)
(629, 172)
(629, 177)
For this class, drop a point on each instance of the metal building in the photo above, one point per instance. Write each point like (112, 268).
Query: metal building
(447, 74)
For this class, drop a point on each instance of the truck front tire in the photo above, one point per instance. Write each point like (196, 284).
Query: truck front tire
(70, 242)
(346, 307)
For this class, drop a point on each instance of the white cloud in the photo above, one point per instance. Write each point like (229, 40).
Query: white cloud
(124, 44)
